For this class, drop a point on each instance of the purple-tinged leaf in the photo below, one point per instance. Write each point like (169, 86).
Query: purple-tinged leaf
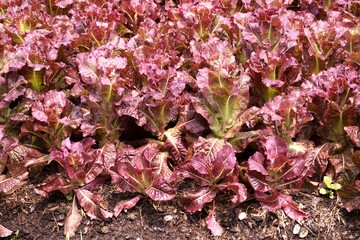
(200, 164)
(7, 145)
(195, 200)
(280, 172)
(63, 3)
(11, 95)
(175, 145)
(2, 132)
(275, 200)
(269, 201)
(128, 106)
(54, 183)
(9, 184)
(242, 139)
(213, 167)
(72, 221)
(301, 148)
(54, 102)
(158, 113)
(292, 169)
(318, 158)
(43, 160)
(91, 204)
(354, 134)
(144, 170)
(213, 225)
(189, 120)
(125, 205)
(27, 157)
(217, 53)
(96, 183)
(258, 181)
(81, 163)
(161, 191)
(160, 166)
(291, 209)
(256, 163)
(145, 156)
(212, 161)
(224, 163)
(350, 196)
(108, 153)
(91, 174)
(131, 179)
(210, 146)
(4, 232)
(87, 68)
(38, 112)
(275, 147)
(240, 192)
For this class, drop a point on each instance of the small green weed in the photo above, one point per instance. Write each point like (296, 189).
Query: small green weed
(330, 188)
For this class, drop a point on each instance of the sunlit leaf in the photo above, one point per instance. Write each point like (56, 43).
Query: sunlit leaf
(72, 221)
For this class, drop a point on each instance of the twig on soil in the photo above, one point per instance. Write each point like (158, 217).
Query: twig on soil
(56, 223)
(141, 218)
(310, 231)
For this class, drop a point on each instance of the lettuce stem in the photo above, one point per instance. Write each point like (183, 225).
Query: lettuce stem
(317, 66)
(339, 126)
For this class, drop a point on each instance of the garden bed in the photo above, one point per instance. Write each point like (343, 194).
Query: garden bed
(184, 119)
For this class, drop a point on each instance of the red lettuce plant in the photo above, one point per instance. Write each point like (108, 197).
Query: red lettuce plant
(334, 100)
(84, 169)
(223, 102)
(144, 170)
(213, 167)
(275, 170)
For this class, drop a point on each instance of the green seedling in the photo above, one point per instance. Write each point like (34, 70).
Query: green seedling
(330, 187)
(16, 235)
(70, 196)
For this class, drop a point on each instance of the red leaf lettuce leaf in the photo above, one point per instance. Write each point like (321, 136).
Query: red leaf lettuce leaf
(4, 232)
(213, 225)
(91, 204)
(125, 205)
(8, 184)
(350, 196)
(275, 200)
(72, 221)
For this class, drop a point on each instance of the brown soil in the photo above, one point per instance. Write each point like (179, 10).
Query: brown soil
(38, 218)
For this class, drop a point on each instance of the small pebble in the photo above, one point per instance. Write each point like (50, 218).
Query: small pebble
(32, 208)
(242, 215)
(168, 218)
(105, 229)
(183, 229)
(132, 216)
(296, 229)
(303, 233)
(86, 230)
